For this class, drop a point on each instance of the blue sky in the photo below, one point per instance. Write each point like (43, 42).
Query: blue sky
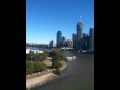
(45, 17)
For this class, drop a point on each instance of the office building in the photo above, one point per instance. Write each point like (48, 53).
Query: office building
(59, 39)
(63, 41)
(85, 45)
(69, 43)
(84, 35)
(79, 28)
(74, 39)
(52, 44)
(91, 38)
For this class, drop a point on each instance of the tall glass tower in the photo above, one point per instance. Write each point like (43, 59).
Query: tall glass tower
(79, 28)
(91, 38)
(63, 41)
(59, 39)
(74, 39)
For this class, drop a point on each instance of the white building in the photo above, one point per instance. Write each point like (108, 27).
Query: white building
(27, 51)
(35, 51)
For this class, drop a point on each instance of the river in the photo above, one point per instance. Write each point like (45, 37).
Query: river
(79, 74)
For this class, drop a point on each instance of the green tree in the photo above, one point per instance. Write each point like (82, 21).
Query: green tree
(56, 64)
(56, 58)
(38, 57)
(64, 58)
(29, 67)
(57, 71)
(43, 66)
(38, 67)
(44, 55)
(28, 56)
(56, 55)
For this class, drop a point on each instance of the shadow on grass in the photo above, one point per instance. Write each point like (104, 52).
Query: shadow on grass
(50, 67)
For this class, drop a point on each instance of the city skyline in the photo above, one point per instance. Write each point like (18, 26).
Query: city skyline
(45, 18)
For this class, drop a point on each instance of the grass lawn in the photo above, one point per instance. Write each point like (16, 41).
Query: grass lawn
(47, 62)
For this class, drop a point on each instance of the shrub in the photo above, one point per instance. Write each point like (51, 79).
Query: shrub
(29, 67)
(38, 67)
(57, 71)
(56, 64)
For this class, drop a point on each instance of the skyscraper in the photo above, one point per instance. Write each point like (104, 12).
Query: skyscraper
(69, 43)
(91, 38)
(84, 35)
(63, 41)
(85, 43)
(74, 39)
(59, 39)
(79, 28)
(52, 44)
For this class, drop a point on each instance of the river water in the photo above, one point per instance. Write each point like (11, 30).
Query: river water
(79, 74)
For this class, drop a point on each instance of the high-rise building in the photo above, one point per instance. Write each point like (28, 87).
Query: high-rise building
(91, 38)
(52, 44)
(69, 43)
(85, 43)
(74, 39)
(79, 28)
(84, 35)
(63, 41)
(59, 39)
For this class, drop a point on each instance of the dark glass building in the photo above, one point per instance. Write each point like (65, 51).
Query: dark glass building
(79, 28)
(84, 35)
(85, 43)
(59, 39)
(91, 38)
(74, 39)
(52, 44)
(63, 41)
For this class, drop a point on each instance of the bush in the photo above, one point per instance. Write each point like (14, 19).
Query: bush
(44, 55)
(28, 56)
(29, 67)
(43, 66)
(56, 64)
(38, 67)
(57, 71)
(56, 55)
(36, 57)
(56, 58)
(65, 58)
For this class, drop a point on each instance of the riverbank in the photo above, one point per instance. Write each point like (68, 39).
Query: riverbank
(40, 79)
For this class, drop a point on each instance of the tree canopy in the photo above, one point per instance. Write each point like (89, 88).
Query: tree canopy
(36, 57)
(35, 66)
(56, 55)
(38, 67)
(56, 64)
(29, 67)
